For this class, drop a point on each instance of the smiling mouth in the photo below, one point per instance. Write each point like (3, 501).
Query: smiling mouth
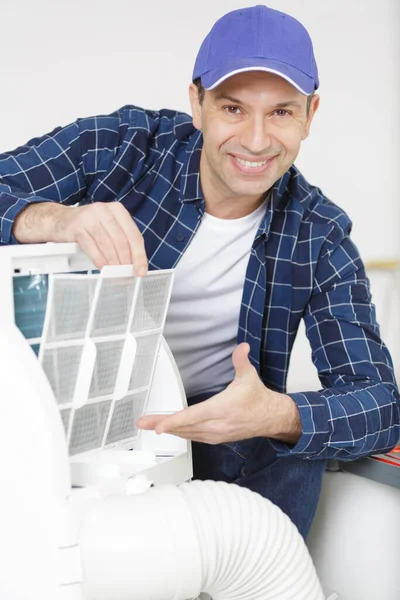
(251, 163)
(251, 167)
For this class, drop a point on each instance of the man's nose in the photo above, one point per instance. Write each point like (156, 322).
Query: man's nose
(255, 135)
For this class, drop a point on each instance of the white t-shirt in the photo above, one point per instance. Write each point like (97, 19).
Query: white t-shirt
(202, 321)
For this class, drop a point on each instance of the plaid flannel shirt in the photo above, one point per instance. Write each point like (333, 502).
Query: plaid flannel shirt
(303, 263)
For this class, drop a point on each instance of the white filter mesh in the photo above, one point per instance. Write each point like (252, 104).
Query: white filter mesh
(89, 426)
(102, 312)
(71, 302)
(145, 357)
(151, 304)
(108, 356)
(113, 306)
(61, 366)
(125, 414)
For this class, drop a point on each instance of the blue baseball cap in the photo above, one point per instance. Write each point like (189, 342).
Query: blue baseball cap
(257, 39)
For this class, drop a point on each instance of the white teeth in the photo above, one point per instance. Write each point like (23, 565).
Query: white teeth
(248, 163)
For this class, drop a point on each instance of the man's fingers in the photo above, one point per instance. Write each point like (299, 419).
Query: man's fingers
(188, 417)
(112, 229)
(105, 243)
(209, 428)
(207, 432)
(241, 362)
(150, 421)
(90, 248)
(162, 423)
(135, 239)
(122, 249)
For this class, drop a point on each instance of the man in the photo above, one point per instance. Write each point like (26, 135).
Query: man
(255, 248)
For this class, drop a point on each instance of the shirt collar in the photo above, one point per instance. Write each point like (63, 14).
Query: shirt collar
(190, 182)
(276, 200)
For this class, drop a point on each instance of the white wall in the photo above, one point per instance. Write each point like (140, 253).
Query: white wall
(61, 60)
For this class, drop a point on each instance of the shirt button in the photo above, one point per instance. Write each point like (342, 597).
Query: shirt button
(180, 237)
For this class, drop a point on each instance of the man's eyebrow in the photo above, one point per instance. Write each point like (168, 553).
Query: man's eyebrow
(222, 96)
(289, 104)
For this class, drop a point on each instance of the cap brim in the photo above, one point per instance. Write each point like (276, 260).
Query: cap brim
(302, 82)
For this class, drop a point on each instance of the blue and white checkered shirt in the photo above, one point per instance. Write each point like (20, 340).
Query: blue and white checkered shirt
(302, 263)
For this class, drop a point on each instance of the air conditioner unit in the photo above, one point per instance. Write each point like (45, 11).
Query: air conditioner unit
(91, 507)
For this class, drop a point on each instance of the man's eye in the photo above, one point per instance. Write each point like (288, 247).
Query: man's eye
(281, 112)
(232, 110)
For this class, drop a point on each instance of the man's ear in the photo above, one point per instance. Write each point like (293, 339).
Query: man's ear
(313, 109)
(195, 104)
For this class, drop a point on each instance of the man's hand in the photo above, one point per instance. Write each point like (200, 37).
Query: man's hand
(245, 409)
(105, 231)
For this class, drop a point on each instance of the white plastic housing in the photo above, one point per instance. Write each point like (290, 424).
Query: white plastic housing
(117, 319)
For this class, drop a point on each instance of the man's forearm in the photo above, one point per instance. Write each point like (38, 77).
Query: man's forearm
(284, 422)
(39, 222)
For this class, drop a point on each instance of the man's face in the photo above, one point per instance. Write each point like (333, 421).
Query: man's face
(252, 125)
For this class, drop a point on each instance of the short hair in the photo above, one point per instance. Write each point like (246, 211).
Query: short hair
(201, 91)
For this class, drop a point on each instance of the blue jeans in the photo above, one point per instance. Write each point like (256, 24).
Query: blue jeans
(292, 483)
